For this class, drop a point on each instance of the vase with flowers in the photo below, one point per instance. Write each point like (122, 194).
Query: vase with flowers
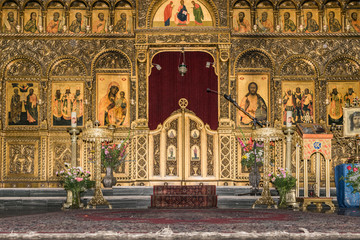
(75, 181)
(352, 178)
(112, 155)
(283, 182)
(252, 159)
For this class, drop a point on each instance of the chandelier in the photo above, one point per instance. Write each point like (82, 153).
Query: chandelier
(182, 66)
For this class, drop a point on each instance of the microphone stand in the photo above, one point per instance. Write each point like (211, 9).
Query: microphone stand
(254, 191)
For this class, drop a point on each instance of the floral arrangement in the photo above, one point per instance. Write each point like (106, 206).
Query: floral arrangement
(76, 180)
(353, 177)
(283, 182)
(112, 155)
(252, 152)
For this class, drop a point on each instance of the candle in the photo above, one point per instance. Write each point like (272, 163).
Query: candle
(288, 118)
(73, 119)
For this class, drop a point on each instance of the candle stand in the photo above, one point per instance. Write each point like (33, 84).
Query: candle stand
(266, 135)
(98, 135)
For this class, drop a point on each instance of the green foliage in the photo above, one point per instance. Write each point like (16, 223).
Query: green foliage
(283, 181)
(353, 178)
(75, 179)
(112, 155)
(252, 151)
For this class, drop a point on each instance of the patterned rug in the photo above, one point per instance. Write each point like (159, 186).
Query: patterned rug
(178, 224)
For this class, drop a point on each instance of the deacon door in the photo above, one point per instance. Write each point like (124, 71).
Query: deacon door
(183, 150)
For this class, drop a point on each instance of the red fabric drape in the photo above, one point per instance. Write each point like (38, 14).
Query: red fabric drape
(167, 86)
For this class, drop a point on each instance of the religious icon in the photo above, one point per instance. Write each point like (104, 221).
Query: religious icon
(195, 133)
(171, 153)
(112, 100)
(298, 100)
(253, 98)
(351, 121)
(67, 98)
(195, 153)
(22, 106)
(340, 95)
(171, 133)
(242, 21)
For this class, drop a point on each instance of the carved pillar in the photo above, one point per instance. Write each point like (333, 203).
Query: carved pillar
(67, 19)
(224, 53)
(343, 21)
(253, 19)
(21, 13)
(276, 114)
(322, 21)
(321, 98)
(142, 81)
(299, 20)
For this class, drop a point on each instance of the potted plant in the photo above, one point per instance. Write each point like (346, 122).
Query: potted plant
(112, 155)
(75, 181)
(283, 182)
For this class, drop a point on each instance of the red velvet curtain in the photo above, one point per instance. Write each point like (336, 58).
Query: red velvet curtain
(167, 86)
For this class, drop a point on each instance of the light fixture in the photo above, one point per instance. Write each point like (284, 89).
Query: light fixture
(158, 67)
(209, 63)
(182, 66)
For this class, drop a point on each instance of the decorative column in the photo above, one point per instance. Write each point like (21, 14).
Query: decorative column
(73, 131)
(290, 196)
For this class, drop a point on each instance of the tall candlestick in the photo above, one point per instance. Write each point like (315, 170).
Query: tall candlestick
(73, 119)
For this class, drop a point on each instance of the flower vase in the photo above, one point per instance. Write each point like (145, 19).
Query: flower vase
(109, 180)
(254, 177)
(282, 199)
(76, 203)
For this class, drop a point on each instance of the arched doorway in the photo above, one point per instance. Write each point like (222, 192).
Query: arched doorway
(167, 86)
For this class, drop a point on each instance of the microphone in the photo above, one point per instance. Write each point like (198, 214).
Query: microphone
(212, 91)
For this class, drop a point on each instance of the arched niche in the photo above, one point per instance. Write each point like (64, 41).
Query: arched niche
(10, 17)
(343, 66)
(100, 17)
(310, 18)
(167, 13)
(78, 19)
(123, 19)
(333, 16)
(242, 21)
(22, 67)
(33, 21)
(298, 66)
(287, 16)
(254, 59)
(112, 70)
(264, 16)
(67, 67)
(55, 17)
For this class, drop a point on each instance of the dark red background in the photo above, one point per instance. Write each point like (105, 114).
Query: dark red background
(167, 87)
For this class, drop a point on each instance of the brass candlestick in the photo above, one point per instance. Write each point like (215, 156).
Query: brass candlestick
(266, 135)
(98, 135)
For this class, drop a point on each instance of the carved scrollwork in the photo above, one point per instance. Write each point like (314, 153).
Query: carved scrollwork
(68, 67)
(22, 67)
(22, 158)
(298, 67)
(113, 60)
(254, 59)
(342, 67)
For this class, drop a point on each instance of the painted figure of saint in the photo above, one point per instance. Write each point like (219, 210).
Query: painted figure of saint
(182, 16)
(31, 107)
(10, 23)
(77, 26)
(120, 26)
(355, 22)
(57, 106)
(265, 24)
(349, 97)
(307, 103)
(31, 25)
(310, 24)
(298, 95)
(107, 105)
(335, 111)
(198, 13)
(334, 24)
(77, 105)
(254, 104)
(289, 25)
(243, 25)
(100, 26)
(168, 13)
(55, 25)
(121, 106)
(355, 121)
(15, 107)
(288, 103)
(67, 104)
